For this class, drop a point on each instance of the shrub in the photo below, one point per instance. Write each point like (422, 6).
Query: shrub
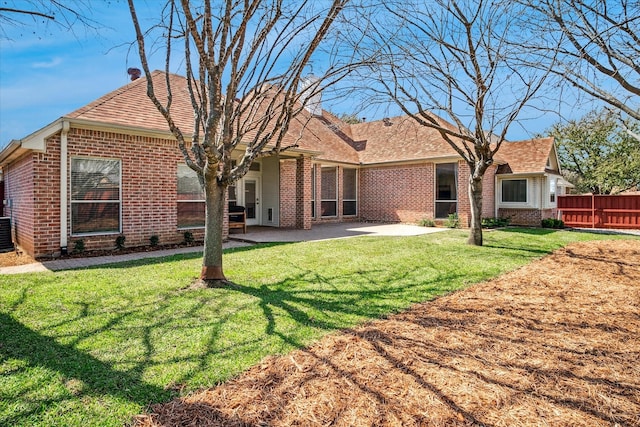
(552, 223)
(120, 242)
(78, 246)
(452, 221)
(154, 240)
(426, 222)
(188, 237)
(495, 222)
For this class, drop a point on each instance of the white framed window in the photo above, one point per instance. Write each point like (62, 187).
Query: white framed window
(349, 192)
(96, 196)
(514, 191)
(329, 191)
(552, 190)
(446, 189)
(191, 200)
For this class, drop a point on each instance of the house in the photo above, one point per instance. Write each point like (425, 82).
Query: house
(113, 168)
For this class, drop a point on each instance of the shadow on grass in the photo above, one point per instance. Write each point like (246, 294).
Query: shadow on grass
(177, 257)
(97, 378)
(302, 304)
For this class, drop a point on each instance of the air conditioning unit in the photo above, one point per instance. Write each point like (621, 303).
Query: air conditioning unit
(6, 243)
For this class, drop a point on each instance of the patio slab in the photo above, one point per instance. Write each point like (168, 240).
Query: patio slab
(330, 231)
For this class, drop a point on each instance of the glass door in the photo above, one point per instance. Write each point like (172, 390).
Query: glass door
(252, 200)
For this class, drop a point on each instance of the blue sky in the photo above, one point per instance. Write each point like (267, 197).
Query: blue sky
(47, 71)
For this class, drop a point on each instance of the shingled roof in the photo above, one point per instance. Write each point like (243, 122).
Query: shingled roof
(530, 156)
(396, 139)
(130, 106)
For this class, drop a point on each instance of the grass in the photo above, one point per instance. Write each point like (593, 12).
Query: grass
(96, 346)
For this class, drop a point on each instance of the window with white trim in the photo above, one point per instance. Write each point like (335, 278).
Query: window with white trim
(552, 190)
(191, 201)
(514, 191)
(349, 192)
(95, 196)
(329, 191)
(232, 190)
(446, 189)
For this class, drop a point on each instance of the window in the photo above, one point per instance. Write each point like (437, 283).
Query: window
(232, 190)
(552, 191)
(514, 190)
(446, 189)
(191, 204)
(95, 196)
(349, 191)
(232, 194)
(313, 191)
(329, 191)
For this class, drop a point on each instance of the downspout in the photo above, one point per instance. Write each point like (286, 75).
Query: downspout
(495, 194)
(64, 178)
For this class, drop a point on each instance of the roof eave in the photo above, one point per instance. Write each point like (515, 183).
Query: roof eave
(34, 142)
(435, 159)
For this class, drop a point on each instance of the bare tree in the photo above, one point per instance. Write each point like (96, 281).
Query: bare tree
(597, 47)
(245, 62)
(65, 14)
(449, 66)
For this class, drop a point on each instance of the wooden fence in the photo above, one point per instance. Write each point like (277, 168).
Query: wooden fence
(600, 211)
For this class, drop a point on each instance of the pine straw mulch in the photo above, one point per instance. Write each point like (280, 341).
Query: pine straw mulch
(555, 343)
(13, 258)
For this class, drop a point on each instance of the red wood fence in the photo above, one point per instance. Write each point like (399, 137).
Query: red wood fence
(600, 211)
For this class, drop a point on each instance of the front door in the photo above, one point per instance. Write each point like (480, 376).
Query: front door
(252, 195)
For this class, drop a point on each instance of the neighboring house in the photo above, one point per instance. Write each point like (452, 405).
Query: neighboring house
(112, 167)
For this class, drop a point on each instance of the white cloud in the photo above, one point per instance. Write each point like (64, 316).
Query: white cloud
(54, 62)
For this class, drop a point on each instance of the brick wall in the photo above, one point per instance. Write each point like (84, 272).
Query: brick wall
(288, 193)
(303, 193)
(464, 202)
(149, 191)
(527, 217)
(46, 176)
(19, 188)
(398, 193)
(489, 192)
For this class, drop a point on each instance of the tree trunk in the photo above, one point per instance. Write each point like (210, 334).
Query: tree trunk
(475, 198)
(212, 256)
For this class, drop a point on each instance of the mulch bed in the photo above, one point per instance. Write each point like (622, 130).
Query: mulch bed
(555, 343)
(14, 258)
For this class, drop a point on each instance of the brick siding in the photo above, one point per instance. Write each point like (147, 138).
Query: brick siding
(149, 191)
(397, 193)
(288, 193)
(303, 193)
(489, 192)
(20, 189)
(527, 217)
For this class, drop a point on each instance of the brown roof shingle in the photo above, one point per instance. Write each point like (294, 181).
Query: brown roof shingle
(397, 139)
(530, 156)
(130, 106)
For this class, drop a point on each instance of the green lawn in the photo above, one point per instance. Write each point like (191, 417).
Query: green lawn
(95, 346)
